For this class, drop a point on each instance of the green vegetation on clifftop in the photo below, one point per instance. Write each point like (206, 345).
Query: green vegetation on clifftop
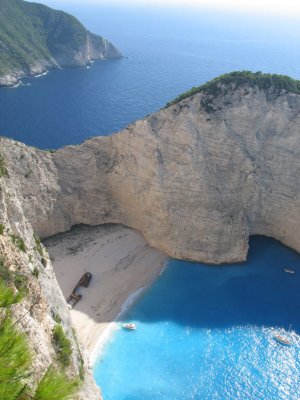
(246, 78)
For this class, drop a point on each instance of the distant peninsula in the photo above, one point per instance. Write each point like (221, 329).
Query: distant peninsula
(35, 38)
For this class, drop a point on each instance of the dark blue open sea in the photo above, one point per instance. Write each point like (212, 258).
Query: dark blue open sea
(204, 333)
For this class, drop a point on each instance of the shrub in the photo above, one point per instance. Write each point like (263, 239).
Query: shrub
(10, 278)
(15, 354)
(56, 317)
(5, 273)
(3, 170)
(19, 242)
(238, 78)
(38, 245)
(62, 345)
(2, 227)
(56, 386)
(16, 359)
(8, 296)
(20, 282)
(36, 272)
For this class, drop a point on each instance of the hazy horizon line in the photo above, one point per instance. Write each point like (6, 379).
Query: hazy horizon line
(289, 8)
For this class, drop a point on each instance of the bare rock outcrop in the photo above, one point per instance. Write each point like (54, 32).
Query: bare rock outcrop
(196, 178)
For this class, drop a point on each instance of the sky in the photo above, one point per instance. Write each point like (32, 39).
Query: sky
(267, 7)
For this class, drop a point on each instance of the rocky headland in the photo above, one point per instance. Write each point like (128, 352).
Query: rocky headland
(197, 178)
(35, 38)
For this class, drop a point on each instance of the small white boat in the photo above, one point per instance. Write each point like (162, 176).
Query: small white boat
(289, 271)
(130, 326)
(282, 340)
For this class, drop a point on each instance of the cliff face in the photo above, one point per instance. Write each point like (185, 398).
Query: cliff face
(44, 306)
(196, 178)
(35, 38)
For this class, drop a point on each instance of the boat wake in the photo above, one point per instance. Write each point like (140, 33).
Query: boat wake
(43, 74)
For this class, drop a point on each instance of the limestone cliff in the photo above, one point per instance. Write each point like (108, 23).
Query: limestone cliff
(35, 38)
(196, 178)
(44, 306)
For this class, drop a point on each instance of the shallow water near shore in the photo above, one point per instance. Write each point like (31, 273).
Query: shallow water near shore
(206, 332)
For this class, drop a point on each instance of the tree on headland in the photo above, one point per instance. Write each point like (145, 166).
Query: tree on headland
(238, 78)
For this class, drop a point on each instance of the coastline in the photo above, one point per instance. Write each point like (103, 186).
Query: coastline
(122, 264)
(13, 79)
(114, 325)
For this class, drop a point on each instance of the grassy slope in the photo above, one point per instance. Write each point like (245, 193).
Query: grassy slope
(238, 78)
(30, 32)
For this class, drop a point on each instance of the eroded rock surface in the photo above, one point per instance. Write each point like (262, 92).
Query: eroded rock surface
(44, 306)
(195, 180)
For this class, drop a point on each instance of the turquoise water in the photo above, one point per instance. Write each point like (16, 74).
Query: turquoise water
(168, 52)
(206, 333)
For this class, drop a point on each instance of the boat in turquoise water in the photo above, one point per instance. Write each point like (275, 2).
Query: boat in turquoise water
(129, 326)
(282, 340)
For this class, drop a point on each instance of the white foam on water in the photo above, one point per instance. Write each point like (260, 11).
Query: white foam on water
(113, 326)
(103, 339)
(19, 83)
(130, 301)
(43, 74)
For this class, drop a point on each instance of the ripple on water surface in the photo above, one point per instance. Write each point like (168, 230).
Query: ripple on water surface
(207, 333)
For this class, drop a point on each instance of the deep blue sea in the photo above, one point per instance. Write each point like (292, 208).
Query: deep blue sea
(206, 333)
(168, 50)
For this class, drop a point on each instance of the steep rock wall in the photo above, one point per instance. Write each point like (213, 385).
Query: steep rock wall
(44, 305)
(195, 180)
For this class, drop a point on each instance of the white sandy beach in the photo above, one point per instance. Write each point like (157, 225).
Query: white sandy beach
(121, 262)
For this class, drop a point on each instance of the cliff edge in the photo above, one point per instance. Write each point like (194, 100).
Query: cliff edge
(196, 178)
